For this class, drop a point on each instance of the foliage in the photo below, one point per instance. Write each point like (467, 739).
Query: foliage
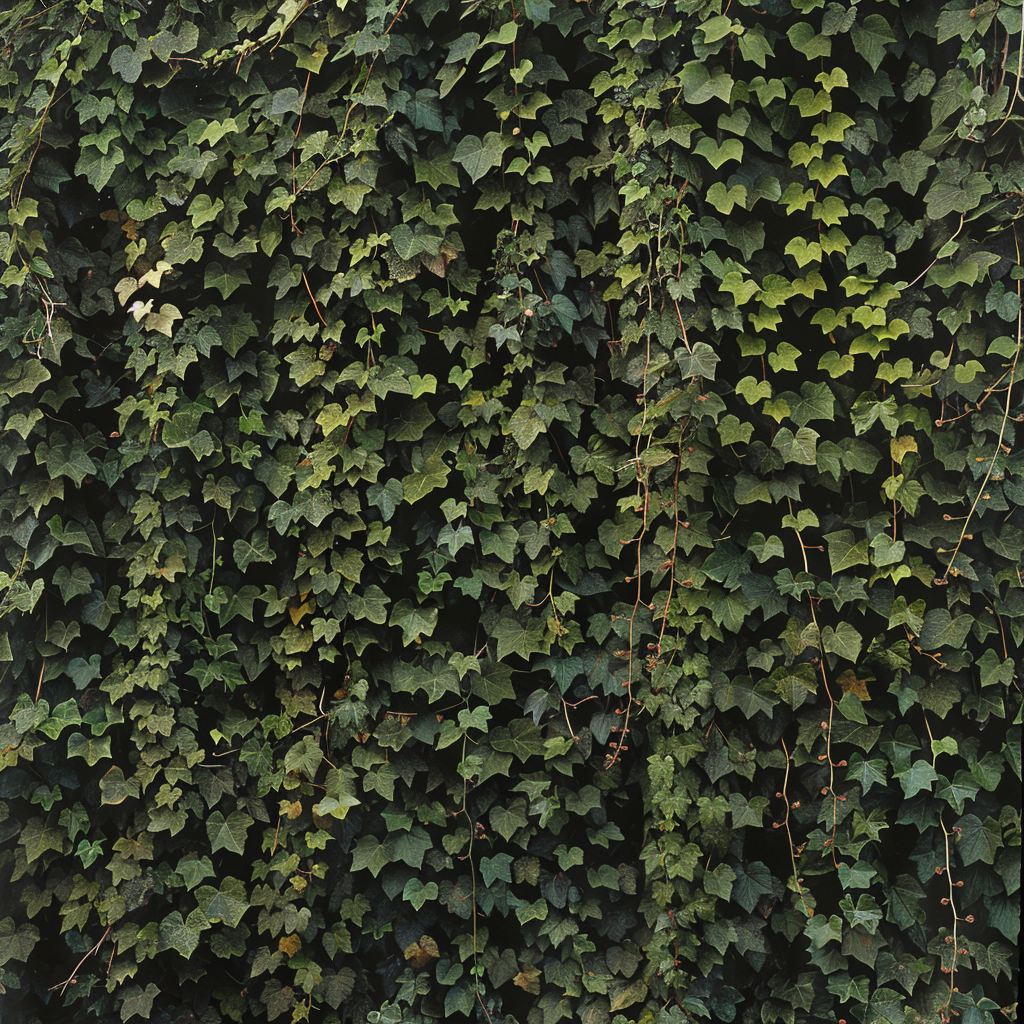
(511, 510)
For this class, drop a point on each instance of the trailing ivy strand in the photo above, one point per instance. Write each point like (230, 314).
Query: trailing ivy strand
(510, 511)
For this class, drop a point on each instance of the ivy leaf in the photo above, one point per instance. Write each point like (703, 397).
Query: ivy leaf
(415, 620)
(369, 853)
(844, 551)
(844, 640)
(478, 156)
(870, 38)
(386, 496)
(565, 311)
(258, 549)
(940, 629)
(431, 475)
(138, 1000)
(228, 833)
(798, 447)
(719, 882)
(700, 362)
(822, 930)
(628, 995)
(418, 892)
(93, 750)
(521, 738)
(979, 840)
(303, 757)
(496, 868)
(507, 820)
(716, 155)
(410, 847)
(752, 882)
(177, 933)
(524, 639)
(38, 836)
(127, 62)
(741, 693)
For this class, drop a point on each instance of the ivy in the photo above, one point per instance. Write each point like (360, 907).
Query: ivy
(510, 511)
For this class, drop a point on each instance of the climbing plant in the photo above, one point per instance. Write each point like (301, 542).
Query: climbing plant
(510, 510)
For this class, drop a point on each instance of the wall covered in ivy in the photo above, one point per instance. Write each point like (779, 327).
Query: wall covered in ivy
(510, 510)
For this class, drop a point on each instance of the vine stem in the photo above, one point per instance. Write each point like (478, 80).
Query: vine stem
(827, 726)
(1012, 372)
(956, 920)
(789, 835)
(645, 494)
(70, 980)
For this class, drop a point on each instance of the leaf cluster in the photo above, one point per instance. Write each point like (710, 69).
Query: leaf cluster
(510, 511)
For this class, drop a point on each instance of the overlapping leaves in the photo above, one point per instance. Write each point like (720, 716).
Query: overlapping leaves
(429, 431)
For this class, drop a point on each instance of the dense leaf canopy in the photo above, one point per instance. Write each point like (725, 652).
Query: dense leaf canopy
(510, 510)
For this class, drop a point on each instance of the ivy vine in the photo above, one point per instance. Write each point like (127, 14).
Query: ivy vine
(510, 511)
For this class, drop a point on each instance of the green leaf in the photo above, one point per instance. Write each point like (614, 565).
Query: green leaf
(719, 882)
(432, 474)
(93, 750)
(38, 836)
(369, 853)
(522, 738)
(127, 62)
(716, 155)
(507, 820)
(701, 361)
(870, 38)
(978, 840)
(941, 629)
(415, 620)
(524, 638)
(138, 1001)
(246, 552)
(904, 903)
(844, 551)
(179, 934)
(418, 892)
(303, 757)
(919, 776)
(844, 640)
(798, 447)
(227, 904)
(496, 868)
(752, 882)
(478, 156)
(386, 497)
(228, 833)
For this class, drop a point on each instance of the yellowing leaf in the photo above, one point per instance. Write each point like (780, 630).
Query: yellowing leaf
(850, 683)
(528, 980)
(291, 809)
(289, 945)
(419, 954)
(306, 608)
(899, 446)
